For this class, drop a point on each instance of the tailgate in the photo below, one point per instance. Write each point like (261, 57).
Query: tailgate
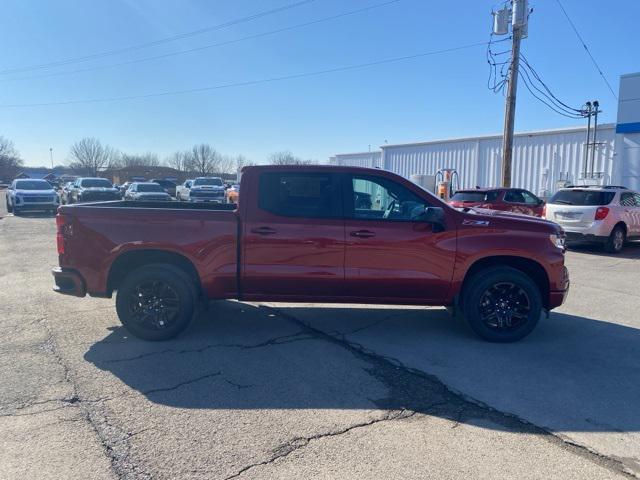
(576, 216)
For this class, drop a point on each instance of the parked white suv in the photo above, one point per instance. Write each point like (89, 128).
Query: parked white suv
(28, 194)
(605, 214)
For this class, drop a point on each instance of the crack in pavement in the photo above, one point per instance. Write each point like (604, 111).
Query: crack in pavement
(297, 443)
(182, 384)
(408, 387)
(296, 337)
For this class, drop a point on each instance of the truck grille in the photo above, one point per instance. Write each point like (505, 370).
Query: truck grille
(37, 199)
(205, 194)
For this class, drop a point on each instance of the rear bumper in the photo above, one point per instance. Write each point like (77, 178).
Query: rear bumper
(579, 237)
(68, 282)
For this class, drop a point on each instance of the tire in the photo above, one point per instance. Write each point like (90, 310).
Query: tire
(9, 207)
(161, 321)
(616, 240)
(481, 304)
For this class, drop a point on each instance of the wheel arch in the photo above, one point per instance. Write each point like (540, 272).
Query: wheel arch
(528, 266)
(130, 260)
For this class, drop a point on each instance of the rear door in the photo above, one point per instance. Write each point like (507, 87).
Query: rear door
(390, 253)
(293, 242)
(630, 212)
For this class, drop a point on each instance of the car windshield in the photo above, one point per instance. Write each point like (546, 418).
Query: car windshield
(208, 181)
(32, 185)
(469, 197)
(582, 197)
(150, 187)
(96, 182)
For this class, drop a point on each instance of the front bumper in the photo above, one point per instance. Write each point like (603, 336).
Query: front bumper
(68, 282)
(206, 199)
(557, 297)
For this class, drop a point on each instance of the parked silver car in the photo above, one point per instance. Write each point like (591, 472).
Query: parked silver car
(26, 194)
(604, 214)
(146, 192)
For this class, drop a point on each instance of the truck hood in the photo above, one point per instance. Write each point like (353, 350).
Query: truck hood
(99, 189)
(36, 192)
(212, 188)
(526, 222)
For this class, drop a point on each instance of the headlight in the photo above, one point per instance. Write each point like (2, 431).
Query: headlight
(558, 240)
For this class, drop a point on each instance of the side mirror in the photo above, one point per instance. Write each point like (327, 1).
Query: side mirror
(435, 216)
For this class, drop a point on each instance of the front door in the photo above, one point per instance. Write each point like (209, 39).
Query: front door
(391, 254)
(293, 242)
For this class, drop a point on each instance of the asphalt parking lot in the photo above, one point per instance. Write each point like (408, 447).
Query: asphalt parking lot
(314, 391)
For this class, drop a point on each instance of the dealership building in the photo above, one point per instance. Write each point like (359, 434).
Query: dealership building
(542, 160)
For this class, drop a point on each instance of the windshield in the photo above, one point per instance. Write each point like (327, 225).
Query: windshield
(469, 197)
(582, 197)
(96, 182)
(208, 181)
(150, 187)
(32, 185)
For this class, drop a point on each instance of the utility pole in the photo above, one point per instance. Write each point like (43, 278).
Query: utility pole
(519, 30)
(51, 156)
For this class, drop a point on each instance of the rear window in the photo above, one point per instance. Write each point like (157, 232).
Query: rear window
(582, 197)
(474, 196)
(311, 195)
(96, 182)
(152, 187)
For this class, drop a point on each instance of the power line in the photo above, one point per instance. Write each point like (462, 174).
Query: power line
(154, 43)
(209, 46)
(587, 49)
(246, 83)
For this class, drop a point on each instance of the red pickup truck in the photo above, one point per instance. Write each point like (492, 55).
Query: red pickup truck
(312, 234)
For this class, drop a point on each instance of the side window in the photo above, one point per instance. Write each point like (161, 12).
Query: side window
(514, 196)
(300, 194)
(187, 184)
(491, 196)
(529, 198)
(627, 200)
(636, 197)
(377, 198)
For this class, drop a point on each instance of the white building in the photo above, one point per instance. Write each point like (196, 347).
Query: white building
(541, 159)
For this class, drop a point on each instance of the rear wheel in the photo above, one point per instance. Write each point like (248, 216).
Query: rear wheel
(156, 302)
(616, 240)
(501, 304)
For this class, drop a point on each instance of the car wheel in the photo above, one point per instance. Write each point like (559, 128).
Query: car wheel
(156, 302)
(616, 240)
(501, 304)
(9, 207)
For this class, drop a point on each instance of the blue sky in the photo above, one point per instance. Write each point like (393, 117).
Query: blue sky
(432, 97)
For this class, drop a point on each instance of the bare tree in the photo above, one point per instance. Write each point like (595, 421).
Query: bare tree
(181, 161)
(204, 159)
(10, 161)
(139, 160)
(287, 158)
(89, 155)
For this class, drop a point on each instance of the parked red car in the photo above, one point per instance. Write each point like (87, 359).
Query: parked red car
(300, 234)
(514, 200)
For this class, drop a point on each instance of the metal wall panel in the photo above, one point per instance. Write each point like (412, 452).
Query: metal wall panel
(363, 159)
(540, 158)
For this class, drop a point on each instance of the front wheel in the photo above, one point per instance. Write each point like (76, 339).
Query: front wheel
(156, 302)
(9, 207)
(616, 240)
(501, 304)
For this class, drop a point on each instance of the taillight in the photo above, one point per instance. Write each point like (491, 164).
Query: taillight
(63, 230)
(601, 213)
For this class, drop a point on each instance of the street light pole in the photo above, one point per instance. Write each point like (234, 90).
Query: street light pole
(51, 156)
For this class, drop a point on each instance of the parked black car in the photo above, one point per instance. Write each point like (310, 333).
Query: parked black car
(93, 190)
(167, 185)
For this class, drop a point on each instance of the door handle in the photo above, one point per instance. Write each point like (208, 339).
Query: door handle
(263, 231)
(362, 234)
